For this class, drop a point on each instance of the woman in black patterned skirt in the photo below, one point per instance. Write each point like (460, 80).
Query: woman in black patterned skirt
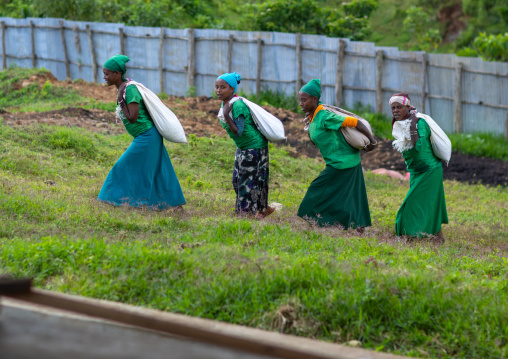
(251, 169)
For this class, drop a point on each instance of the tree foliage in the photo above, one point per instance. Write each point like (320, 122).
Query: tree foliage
(489, 47)
(421, 27)
(489, 16)
(307, 16)
(413, 25)
(169, 13)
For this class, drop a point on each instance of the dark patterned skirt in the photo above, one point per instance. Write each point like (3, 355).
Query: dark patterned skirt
(250, 180)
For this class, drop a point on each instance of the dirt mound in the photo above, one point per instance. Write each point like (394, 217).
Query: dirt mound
(99, 92)
(39, 79)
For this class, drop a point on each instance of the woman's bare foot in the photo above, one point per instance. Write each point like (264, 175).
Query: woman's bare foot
(178, 209)
(440, 237)
(268, 211)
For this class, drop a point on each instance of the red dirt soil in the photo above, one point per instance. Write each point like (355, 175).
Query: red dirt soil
(198, 116)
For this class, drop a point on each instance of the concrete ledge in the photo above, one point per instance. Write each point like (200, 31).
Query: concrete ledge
(236, 337)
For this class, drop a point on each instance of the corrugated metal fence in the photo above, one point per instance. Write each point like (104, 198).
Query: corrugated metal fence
(462, 94)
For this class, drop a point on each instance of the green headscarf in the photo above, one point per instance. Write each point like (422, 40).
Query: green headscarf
(117, 63)
(313, 88)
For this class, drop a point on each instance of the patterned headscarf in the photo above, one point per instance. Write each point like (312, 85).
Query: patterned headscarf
(313, 88)
(117, 63)
(403, 98)
(233, 79)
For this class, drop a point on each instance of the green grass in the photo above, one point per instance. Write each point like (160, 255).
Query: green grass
(275, 99)
(394, 295)
(481, 144)
(386, 22)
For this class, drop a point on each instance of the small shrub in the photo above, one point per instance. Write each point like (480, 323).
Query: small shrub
(191, 91)
(163, 96)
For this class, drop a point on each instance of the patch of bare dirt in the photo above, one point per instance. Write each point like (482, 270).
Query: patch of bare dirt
(93, 120)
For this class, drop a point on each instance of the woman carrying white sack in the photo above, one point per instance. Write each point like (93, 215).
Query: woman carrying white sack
(144, 175)
(251, 168)
(424, 208)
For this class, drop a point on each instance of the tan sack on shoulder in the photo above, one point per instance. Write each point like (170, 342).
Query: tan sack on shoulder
(355, 138)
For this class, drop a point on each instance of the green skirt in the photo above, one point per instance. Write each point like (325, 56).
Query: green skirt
(424, 209)
(337, 197)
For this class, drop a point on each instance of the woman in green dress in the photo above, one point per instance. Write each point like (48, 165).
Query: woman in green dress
(424, 208)
(251, 168)
(337, 197)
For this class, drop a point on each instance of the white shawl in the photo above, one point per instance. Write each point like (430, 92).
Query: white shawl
(401, 132)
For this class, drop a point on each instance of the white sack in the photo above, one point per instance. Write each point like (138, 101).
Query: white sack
(355, 138)
(269, 125)
(164, 119)
(441, 144)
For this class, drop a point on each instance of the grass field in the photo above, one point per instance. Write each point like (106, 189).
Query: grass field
(392, 294)
(413, 298)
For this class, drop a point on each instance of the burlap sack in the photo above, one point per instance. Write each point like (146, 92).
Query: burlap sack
(355, 138)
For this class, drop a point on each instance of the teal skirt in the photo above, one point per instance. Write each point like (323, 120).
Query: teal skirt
(143, 176)
(337, 197)
(424, 208)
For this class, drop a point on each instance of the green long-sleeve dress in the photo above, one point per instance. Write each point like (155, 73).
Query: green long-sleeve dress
(338, 195)
(424, 208)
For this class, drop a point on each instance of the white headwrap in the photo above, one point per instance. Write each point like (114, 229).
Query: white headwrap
(400, 99)
(401, 129)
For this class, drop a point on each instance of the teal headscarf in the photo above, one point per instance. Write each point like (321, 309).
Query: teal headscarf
(117, 63)
(233, 79)
(313, 88)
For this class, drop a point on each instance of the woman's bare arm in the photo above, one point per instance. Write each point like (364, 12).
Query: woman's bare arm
(226, 108)
(131, 111)
(364, 130)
